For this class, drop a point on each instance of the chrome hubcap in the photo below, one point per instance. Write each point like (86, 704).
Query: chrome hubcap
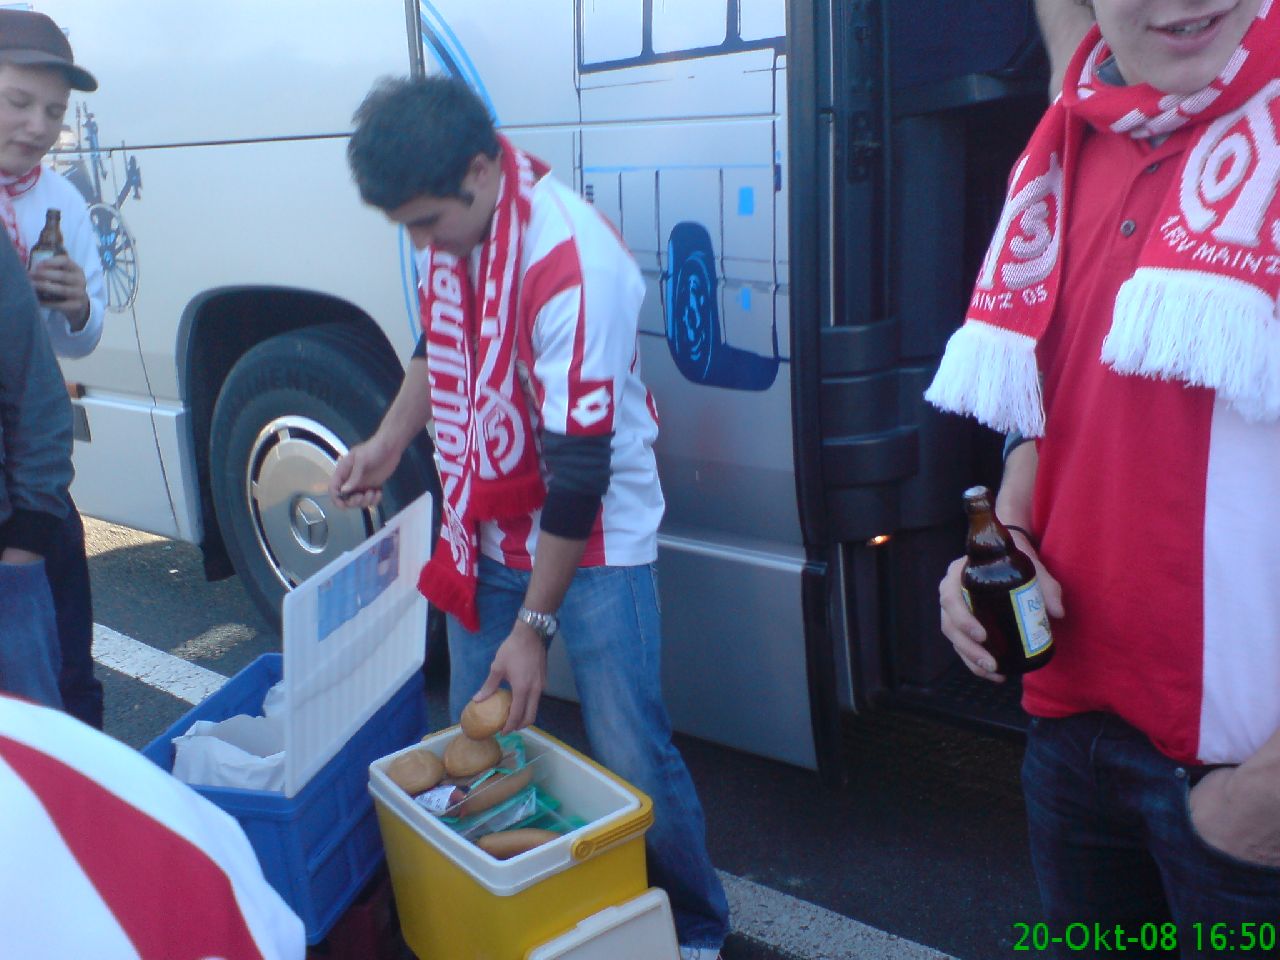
(299, 530)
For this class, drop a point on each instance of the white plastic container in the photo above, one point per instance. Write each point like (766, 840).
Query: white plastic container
(640, 929)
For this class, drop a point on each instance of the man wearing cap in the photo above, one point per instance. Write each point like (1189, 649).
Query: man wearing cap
(37, 74)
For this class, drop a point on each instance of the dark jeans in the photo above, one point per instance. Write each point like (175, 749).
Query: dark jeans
(1112, 843)
(68, 572)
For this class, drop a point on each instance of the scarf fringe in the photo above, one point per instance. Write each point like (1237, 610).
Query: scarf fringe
(1203, 329)
(510, 496)
(990, 373)
(444, 587)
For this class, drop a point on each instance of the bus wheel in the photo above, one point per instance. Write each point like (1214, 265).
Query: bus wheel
(291, 406)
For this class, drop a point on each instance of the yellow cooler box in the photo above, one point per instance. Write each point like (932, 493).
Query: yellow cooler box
(456, 901)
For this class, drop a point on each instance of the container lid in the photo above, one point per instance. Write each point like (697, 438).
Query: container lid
(353, 635)
(640, 929)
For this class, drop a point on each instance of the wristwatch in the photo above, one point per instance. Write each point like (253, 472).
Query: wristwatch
(544, 624)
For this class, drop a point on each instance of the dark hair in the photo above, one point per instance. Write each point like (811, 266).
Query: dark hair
(415, 136)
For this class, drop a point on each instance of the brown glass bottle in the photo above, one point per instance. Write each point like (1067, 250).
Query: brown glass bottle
(49, 244)
(1000, 586)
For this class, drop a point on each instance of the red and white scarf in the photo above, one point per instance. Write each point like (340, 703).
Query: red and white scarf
(14, 187)
(1201, 306)
(485, 445)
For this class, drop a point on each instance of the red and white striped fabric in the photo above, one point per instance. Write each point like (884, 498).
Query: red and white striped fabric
(107, 856)
(578, 314)
(1158, 504)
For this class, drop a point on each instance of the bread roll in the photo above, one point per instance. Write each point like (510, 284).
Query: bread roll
(416, 771)
(464, 757)
(484, 718)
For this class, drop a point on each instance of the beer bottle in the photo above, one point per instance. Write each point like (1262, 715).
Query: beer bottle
(1000, 587)
(49, 244)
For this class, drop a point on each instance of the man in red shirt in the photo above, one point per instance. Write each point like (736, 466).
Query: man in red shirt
(1124, 318)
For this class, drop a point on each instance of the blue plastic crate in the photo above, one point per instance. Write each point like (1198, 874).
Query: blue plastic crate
(319, 848)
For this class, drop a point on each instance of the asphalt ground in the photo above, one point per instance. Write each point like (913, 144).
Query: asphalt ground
(922, 854)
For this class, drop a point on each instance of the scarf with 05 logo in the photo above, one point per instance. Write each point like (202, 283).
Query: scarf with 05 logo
(484, 435)
(1201, 306)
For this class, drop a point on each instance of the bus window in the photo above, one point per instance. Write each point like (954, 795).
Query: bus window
(612, 30)
(761, 19)
(680, 25)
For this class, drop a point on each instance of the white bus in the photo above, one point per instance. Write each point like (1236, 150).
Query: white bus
(806, 184)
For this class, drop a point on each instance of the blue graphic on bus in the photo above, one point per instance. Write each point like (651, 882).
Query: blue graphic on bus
(695, 334)
(87, 172)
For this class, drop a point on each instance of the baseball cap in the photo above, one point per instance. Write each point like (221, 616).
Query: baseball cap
(33, 40)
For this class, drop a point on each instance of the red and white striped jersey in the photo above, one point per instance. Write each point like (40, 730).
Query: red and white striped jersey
(1158, 506)
(107, 856)
(579, 305)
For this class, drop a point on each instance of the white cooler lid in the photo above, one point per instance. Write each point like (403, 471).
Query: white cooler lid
(354, 633)
(640, 929)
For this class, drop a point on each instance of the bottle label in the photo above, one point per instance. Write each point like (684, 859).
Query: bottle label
(1032, 617)
(39, 256)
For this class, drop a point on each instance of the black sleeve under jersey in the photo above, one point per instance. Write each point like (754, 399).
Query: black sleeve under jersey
(580, 471)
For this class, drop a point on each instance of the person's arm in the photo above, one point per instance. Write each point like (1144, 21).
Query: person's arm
(1013, 505)
(579, 469)
(1063, 24)
(521, 660)
(36, 415)
(1237, 809)
(73, 289)
(359, 475)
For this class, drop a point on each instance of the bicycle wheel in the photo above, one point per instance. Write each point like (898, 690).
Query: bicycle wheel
(119, 258)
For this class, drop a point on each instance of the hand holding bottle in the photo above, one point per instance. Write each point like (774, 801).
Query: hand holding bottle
(60, 284)
(963, 629)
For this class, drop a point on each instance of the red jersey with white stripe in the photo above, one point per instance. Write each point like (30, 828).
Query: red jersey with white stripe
(1158, 507)
(578, 313)
(108, 857)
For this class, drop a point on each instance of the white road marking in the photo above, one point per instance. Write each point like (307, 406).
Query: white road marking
(767, 916)
(804, 929)
(155, 668)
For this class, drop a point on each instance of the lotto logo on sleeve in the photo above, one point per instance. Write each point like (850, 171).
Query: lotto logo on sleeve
(591, 406)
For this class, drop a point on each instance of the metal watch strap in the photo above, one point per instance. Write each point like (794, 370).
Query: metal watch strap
(544, 624)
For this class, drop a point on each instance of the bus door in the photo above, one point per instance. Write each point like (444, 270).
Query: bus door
(916, 113)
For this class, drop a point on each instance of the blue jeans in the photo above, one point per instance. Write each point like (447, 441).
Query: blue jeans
(68, 572)
(610, 625)
(29, 655)
(1112, 842)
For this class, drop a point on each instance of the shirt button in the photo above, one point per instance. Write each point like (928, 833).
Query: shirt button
(1152, 168)
(1127, 228)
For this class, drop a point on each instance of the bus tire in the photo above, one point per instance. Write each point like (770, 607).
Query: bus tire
(290, 407)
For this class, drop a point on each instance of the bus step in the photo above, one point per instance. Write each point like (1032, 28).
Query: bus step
(958, 696)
